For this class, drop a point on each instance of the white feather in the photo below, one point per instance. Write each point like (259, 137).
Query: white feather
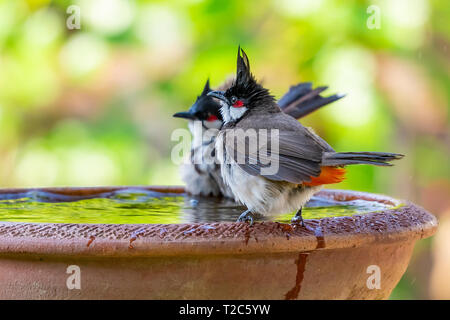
(259, 194)
(231, 113)
(200, 173)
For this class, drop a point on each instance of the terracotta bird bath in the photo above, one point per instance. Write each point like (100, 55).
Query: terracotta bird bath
(362, 256)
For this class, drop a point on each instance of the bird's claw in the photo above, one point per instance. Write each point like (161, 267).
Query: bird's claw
(246, 217)
(298, 220)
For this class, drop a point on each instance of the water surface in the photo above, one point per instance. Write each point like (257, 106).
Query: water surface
(137, 206)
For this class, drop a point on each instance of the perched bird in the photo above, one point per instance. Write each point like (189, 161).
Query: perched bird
(201, 173)
(304, 162)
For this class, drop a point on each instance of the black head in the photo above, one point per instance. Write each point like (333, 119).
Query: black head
(205, 108)
(245, 93)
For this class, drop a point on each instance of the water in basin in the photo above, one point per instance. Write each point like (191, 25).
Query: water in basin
(136, 206)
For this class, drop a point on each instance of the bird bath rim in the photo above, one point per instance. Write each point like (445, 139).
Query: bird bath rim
(403, 221)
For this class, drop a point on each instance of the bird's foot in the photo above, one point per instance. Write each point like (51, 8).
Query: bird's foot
(298, 219)
(246, 216)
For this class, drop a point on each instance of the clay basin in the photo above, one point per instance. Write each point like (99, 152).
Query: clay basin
(192, 256)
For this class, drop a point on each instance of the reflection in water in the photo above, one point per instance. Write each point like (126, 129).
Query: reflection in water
(136, 206)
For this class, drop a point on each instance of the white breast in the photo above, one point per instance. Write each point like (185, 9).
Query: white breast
(259, 194)
(201, 171)
(198, 183)
(230, 113)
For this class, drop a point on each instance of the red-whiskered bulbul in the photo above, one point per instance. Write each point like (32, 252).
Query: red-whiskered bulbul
(201, 173)
(304, 162)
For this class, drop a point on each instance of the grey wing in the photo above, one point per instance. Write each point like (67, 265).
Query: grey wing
(292, 156)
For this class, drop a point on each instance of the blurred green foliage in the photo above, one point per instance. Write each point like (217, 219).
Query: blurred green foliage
(93, 106)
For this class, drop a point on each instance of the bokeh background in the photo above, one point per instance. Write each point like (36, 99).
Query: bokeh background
(92, 106)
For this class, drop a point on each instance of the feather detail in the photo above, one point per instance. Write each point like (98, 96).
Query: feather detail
(328, 175)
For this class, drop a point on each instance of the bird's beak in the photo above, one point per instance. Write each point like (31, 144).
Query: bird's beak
(219, 95)
(185, 115)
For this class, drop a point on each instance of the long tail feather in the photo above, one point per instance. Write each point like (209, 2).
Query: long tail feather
(302, 99)
(346, 158)
(295, 92)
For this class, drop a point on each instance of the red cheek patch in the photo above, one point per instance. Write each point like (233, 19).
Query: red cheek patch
(238, 104)
(212, 118)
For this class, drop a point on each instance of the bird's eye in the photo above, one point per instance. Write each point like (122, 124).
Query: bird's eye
(236, 103)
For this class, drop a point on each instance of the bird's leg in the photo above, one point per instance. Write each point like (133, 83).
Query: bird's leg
(246, 216)
(298, 218)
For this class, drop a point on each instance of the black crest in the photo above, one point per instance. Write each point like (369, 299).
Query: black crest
(206, 105)
(206, 89)
(243, 74)
(245, 85)
(203, 107)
